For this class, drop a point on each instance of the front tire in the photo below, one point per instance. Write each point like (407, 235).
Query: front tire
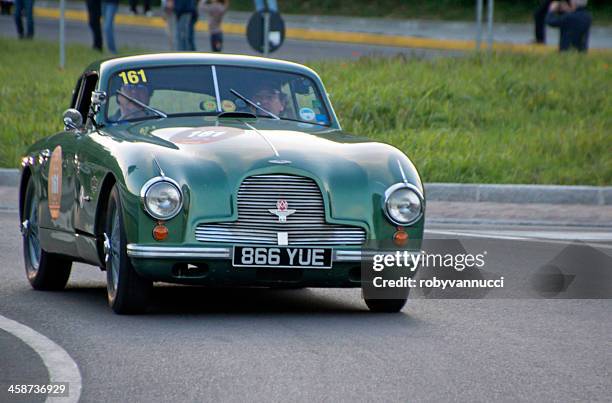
(385, 305)
(128, 292)
(45, 271)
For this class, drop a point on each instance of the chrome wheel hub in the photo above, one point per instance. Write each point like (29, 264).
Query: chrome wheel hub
(29, 229)
(106, 248)
(112, 247)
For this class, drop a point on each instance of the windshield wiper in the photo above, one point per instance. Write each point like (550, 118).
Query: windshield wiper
(143, 105)
(253, 104)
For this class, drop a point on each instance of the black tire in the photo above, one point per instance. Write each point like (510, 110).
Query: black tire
(385, 305)
(128, 292)
(45, 271)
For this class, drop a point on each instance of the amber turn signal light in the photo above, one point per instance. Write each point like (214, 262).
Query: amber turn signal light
(400, 238)
(160, 232)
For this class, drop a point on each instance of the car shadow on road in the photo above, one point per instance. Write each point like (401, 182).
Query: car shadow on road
(189, 301)
(181, 299)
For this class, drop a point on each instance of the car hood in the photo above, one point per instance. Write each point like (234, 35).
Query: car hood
(211, 158)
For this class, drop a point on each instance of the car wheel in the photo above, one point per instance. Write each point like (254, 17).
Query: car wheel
(128, 292)
(45, 271)
(385, 305)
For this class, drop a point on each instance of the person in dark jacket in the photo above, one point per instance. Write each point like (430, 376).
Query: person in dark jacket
(24, 7)
(539, 19)
(186, 17)
(574, 22)
(94, 11)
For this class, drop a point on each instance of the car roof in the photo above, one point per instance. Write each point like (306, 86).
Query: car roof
(173, 59)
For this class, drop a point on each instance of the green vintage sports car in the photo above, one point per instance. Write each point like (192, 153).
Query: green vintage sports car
(210, 170)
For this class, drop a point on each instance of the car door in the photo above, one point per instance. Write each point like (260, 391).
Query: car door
(89, 174)
(57, 184)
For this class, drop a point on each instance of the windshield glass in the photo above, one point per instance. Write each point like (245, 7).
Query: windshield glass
(190, 90)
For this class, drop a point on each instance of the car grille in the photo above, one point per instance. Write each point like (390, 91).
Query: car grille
(256, 225)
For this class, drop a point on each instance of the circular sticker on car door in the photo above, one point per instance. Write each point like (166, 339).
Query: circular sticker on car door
(54, 186)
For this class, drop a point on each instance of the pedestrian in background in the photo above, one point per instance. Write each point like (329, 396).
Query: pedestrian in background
(109, 9)
(186, 17)
(94, 12)
(260, 5)
(168, 16)
(146, 7)
(574, 22)
(539, 19)
(215, 10)
(6, 6)
(24, 7)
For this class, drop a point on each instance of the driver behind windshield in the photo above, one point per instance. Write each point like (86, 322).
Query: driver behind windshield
(271, 100)
(129, 109)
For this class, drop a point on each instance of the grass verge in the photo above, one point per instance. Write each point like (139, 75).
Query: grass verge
(504, 118)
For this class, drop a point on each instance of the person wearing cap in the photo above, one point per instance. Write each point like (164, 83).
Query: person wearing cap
(574, 22)
(129, 109)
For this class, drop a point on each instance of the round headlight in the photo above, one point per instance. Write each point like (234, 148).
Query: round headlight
(162, 199)
(403, 204)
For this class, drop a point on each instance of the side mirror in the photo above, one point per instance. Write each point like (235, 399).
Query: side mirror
(73, 120)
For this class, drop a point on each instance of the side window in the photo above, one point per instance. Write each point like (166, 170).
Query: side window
(88, 85)
(309, 104)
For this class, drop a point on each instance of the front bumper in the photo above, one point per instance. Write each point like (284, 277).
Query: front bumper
(193, 252)
(214, 267)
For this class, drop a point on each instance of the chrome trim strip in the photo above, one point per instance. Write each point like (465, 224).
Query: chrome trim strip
(265, 138)
(356, 255)
(399, 164)
(216, 84)
(161, 171)
(159, 252)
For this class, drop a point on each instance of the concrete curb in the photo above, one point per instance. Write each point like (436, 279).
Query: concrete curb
(458, 192)
(535, 194)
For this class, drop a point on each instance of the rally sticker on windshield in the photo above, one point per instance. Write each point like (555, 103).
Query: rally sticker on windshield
(307, 114)
(54, 186)
(228, 106)
(133, 76)
(209, 106)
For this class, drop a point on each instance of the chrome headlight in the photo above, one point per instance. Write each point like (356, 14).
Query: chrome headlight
(403, 204)
(162, 198)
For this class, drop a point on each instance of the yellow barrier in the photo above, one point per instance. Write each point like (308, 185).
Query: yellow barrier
(318, 35)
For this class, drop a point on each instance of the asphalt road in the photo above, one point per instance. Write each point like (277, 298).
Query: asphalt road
(200, 344)
(156, 40)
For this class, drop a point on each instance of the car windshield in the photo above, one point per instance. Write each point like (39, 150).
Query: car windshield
(152, 93)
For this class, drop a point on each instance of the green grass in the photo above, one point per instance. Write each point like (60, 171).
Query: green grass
(499, 119)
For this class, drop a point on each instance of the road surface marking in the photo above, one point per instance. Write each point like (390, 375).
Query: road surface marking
(60, 365)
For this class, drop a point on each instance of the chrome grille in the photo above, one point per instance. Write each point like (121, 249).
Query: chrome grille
(256, 225)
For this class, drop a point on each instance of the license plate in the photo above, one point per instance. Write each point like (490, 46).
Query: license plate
(282, 257)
